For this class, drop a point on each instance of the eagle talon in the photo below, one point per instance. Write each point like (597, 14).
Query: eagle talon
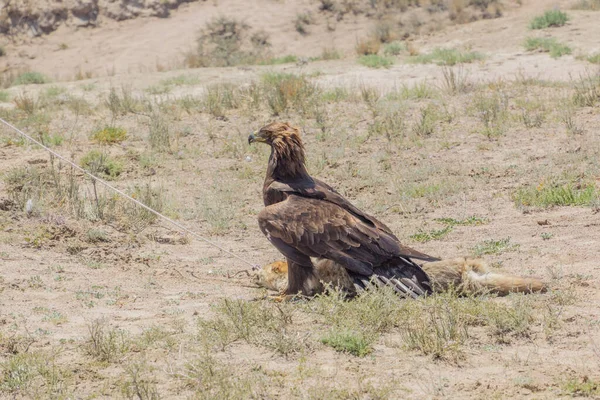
(281, 298)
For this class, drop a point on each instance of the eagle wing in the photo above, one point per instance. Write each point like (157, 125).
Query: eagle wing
(379, 232)
(302, 227)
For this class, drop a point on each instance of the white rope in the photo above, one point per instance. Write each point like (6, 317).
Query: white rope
(139, 203)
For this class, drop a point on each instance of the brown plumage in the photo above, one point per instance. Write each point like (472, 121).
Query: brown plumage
(305, 218)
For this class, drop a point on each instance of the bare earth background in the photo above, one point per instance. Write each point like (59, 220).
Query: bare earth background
(98, 307)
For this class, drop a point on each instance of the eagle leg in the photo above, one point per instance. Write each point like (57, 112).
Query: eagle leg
(302, 279)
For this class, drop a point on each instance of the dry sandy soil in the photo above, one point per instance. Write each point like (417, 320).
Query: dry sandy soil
(99, 300)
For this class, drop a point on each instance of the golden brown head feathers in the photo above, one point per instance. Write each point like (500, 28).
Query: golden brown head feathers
(288, 150)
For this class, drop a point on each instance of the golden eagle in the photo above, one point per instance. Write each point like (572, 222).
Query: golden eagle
(305, 218)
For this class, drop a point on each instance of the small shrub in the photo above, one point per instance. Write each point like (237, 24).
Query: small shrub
(531, 112)
(4, 96)
(393, 48)
(284, 91)
(384, 32)
(418, 91)
(547, 45)
(219, 98)
(441, 56)
(508, 320)
(469, 221)
(425, 124)
(431, 235)
(138, 386)
(557, 194)
(30, 78)
(26, 103)
(227, 42)
(302, 21)
(389, 124)
(549, 19)
(582, 387)
(368, 46)
(492, 111)
(256, 323)
(492, 246)
(281, 60)
(330, 53)
(101, 164)
(33, 375)
(159, 134)
(354, 343)
(587, 90)
(456, 80)
(109, 135)
(123, 103)
(436, 326)
(590, 5)
(594, 58)
(376, 61)
(106, 344)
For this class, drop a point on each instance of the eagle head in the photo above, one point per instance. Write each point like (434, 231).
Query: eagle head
(286, 144)
(277, 134)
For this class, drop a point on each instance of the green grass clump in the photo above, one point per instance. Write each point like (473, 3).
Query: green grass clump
(584, 387)
(441, 56)
(556, 194)
(4, 96)
(393, 49)
(594, 58)
(99, 163)
(32, 375)
(547, 45)
(492, 246)
(29, 78)
(471, 220)
(351, 342)
(257, 323)
(431, 235)
(590, 5)
(280, 60)
(109, 135)
(376, 61)
(549, 19)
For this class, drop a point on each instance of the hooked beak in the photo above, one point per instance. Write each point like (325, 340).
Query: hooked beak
(254, 137)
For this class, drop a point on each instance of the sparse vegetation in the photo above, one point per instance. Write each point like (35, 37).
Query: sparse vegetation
(556, 193)
(367, 47)
(109, 135)
(551, 18)
(186, 321)
(375, 61)
(393, 48)
(547, 45)
(591, 5)
(582, 387)
(594, 58)
(106, 344)
(437, 234)
(227, 42)
(493, 246)
(102, 164)
(283, 91)
(491, 109)
(302, 22)
(30, 78)
(448, 57)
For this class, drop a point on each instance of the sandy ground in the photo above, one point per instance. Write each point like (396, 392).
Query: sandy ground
(52, 292)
